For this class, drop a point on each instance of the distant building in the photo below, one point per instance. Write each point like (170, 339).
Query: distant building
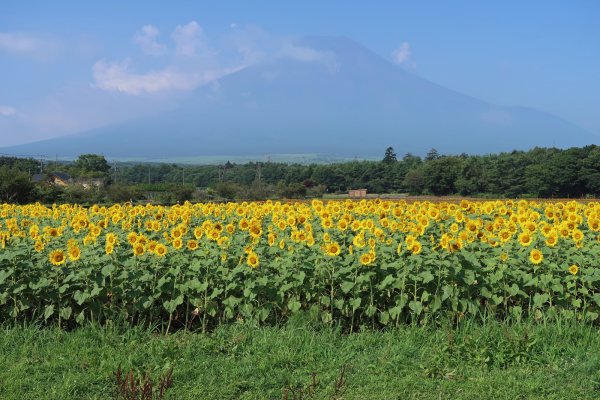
(53, 178)
(89, 183)
(357, 193)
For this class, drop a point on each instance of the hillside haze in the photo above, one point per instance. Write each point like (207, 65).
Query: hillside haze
(324, 95)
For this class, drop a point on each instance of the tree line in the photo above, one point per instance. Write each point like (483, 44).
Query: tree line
(539, 172)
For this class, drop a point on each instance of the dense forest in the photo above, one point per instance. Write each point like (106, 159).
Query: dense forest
(540, 172)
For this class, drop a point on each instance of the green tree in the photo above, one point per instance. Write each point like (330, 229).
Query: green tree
(432, 155)
(473, 176)
(590, 171)
(15, 186)
(91, 165)
(414, 180)
(390, 156)
(441, 175)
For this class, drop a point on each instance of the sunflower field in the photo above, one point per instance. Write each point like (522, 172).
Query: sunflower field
(355, 263)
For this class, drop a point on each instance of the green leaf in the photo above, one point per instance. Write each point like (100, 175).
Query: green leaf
(80, 297)
(326, 317)
(148, 302)
(355, 303)
(558, 288)
(163, 279)
(95, 291)
(395, 311)
(65, 312)
(540, 299)
(5, 274)
(347, 286)
(387, 281)
(427, 276)
(171, 305)
(80, 318)
(513, 290)
(532, 282)
(469, 277)
(591, 316)
(263, 313)
(436, 304)
(108, 269)
(384, 317)
(300, 276)
(416, 307)
(197, 286)
(232, 301)
(48, 311)
(294, 306)
(486, 293)
(371, 310)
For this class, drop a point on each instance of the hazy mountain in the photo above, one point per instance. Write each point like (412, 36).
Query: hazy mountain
(322, 95)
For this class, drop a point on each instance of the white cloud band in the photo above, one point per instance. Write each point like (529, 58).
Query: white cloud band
(146, 39)
(402, 55)
(6, 111)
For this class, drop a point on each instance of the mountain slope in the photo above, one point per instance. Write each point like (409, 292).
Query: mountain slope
(322, 95)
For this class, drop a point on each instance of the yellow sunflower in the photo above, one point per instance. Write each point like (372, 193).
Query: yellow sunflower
(252, 260)
(139, 249)
(177, 243)
(160, 250)
(416, 247)
(332, 249)
(525, 239)
(536, 256)
(551, 240)
(74, 253)
(573, 269)
(365, 259)
(109, 248)
(57, 257)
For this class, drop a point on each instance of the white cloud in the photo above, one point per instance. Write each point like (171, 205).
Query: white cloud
(194, 64)
(402, 55)
(310, 55)
(6, 111)
(146, 39)
(189, 40)
(29, 45)
(251, 42)
(119, 77)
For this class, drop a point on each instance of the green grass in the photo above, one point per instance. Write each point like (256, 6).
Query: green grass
(492, 361)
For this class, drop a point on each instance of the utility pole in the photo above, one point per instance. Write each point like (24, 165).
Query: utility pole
(258, 171)
(114, 172)
(148, 175)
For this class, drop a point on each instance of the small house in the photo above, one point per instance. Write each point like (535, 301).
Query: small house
(357, 193)
(53, 178)
(89, 183)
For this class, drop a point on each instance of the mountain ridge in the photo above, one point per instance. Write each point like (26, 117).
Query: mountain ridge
(322, 95)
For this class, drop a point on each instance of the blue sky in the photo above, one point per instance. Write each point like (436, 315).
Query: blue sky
(68, 66)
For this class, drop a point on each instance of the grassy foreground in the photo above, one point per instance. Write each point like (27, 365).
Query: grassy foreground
(493, 361)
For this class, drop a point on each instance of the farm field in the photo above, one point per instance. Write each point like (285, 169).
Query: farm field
(358, 264)
(378, 298)
(529, 360)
